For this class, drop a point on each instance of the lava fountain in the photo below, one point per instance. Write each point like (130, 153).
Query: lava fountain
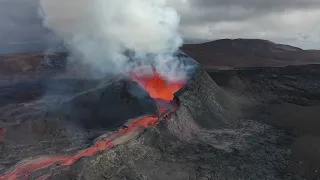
(158, 88)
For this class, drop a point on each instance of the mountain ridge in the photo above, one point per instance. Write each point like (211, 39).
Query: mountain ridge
(235, 53)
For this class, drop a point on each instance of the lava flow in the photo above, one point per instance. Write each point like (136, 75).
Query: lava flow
(3, 131)
(157, 87)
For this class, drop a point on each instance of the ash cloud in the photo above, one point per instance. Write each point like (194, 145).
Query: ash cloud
(100, 32)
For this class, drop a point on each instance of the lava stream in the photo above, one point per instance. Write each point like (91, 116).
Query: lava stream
(158, 89)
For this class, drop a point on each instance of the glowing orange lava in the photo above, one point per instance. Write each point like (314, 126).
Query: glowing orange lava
(157, 86)
(158, 89)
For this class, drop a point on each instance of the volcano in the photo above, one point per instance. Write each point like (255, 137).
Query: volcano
(144, 127)
(186, 125)
(102, 120)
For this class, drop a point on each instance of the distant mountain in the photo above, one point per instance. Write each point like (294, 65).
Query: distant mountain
(235, 53)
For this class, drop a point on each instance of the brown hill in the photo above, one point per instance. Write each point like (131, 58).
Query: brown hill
(235, 53)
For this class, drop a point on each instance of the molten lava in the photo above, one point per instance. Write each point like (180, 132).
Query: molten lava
(3, 132)
(158, 89)
(157, 86)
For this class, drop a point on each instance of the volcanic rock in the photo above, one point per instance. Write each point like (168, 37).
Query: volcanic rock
(206, 103)
(109, 105)
(287, 98)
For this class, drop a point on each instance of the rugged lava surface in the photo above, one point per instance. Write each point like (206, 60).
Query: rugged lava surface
(287, 98)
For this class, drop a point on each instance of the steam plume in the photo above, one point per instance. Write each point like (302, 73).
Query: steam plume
(101, 31)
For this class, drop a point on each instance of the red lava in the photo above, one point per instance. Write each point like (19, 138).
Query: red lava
(157, 86)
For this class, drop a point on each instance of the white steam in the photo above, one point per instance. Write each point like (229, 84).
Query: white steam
(100, 31)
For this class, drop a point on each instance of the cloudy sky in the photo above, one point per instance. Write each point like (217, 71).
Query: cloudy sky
(294, 22)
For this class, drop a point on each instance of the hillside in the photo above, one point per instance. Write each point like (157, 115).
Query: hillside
(235, 53)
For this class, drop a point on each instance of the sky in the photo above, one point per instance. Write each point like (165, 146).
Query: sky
(294, 22)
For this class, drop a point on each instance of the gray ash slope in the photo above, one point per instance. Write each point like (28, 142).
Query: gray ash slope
(220, 145)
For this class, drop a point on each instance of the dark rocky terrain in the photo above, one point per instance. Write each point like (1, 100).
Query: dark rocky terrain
(244, 123)
(287, 98)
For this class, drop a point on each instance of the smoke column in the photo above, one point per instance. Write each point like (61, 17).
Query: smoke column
(100, 32)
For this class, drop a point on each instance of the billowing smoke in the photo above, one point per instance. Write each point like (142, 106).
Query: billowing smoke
(102, 33)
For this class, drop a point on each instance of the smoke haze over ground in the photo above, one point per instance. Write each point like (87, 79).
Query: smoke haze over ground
(99, 32)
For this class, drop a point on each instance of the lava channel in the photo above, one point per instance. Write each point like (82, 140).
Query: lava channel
(3, 132)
